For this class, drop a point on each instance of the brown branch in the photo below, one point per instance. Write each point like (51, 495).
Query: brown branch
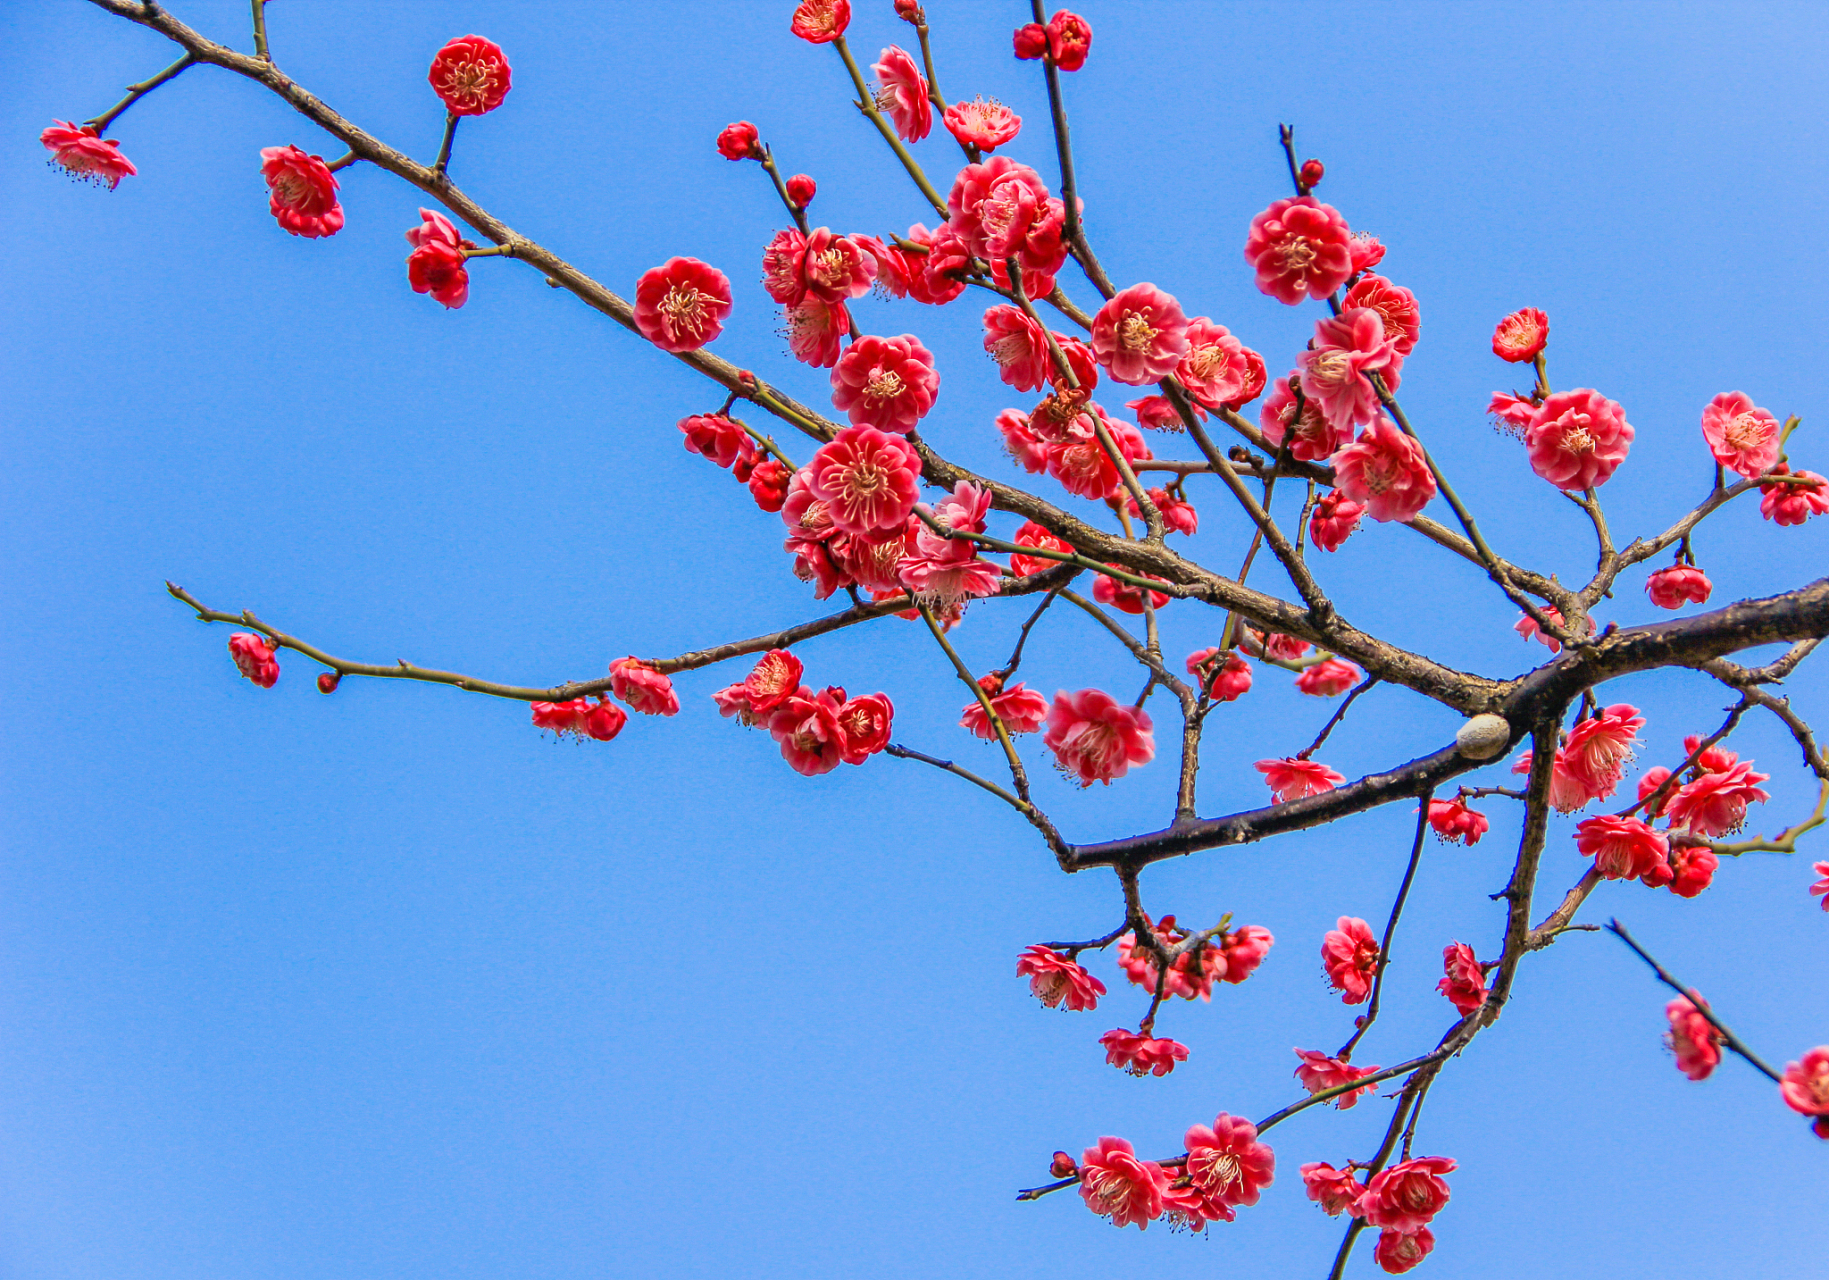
(1728, 1038)
(1390, 929)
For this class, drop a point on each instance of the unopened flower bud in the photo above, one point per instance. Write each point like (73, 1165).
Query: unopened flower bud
(739, 141)
(1818, 1126)
(327, 681)
(800, 190)
(1311, 173)
(910, 11)
(1063, 1166)
(1031, 41)
(1483, 737)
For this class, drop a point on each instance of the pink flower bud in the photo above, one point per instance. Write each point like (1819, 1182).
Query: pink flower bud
(910, 11)
(1069, 40)
(328, 681)
(1031, 41)
(1063, 1165)
(800, 189)
(1311, 173)
(740, 141)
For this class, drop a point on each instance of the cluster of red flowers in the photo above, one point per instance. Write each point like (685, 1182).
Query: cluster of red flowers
(816, 732)
(1400, 1201)
(1225, 1167)
(646, 690)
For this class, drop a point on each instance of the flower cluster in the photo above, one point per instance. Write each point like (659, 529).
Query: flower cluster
(816, 731)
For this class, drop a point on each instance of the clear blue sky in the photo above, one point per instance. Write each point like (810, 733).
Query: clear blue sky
(386, 984)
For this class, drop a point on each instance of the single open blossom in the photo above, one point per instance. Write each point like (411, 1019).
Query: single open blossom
(436, 265)
(834, 267)
(1057, 981)
(1069, 40)
(886, 383)
(1806, 1083)
(1214, 368)
(806, 728)
(600, 721)
(1319, 1073)
(1124, 596)
(1395, 305)
(931, 276)
(945, 570)
(1001, 209)
(1334, 369)
(85, 155)
(1019, 346)
(1567, 792)
(1177, 516)
(714, 436)
(1329, 678)
(1407, 1195)
(1400, 1251)
(643, 688)
(1692, 870)
(1294, 779)
(983, 123)
(773, 680)
(1021, 709)
(1085, 368)
(1521, 336)
(1465, 985)
(902, 93)
(1598, 749)
(1649, 782)
(1142, 1055)
(681, 304)
(1274, 647)
(1715, 803)
(1096, 738)
(740, 141)
(1335, 1190)
(1678, 585)
(1794, 501)
(1081, 464)
(868, 479)
(1712, 759)
(1349, 953)
(1140, 335)
(1577, 439)
(1386, 471)
(1454, 822)
(1527, 627)
(1692, 1037)
(1512, 414)
(470, 75)
(866, 723)
(1742, 436)
(1244, 950)
(302, 192)
(1033, 535)
(1230, 682)
(1335, 519)
(1821, 887)
(1299, 248)
(1116, 1185)
(254, 658)
(1227, 1164)
(1622, 848)
(784, 266)
(815, 331)
(1367, 251)
(821, 21)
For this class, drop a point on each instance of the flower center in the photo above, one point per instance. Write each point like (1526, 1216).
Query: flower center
(865, 480)
(1576, 438)
(1109, 1190)
(1135, 333)
(470, 82)
(884, 384)
(1331, 366)
(1747, 431)
(1298, 255)
(1010, 348)
(1208, 362)
(291, 187)
(1215, 1171)
(684, 307)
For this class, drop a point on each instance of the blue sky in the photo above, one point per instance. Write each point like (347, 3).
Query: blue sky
(387, 984)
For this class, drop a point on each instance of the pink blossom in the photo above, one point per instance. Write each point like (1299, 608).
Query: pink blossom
(1116, 1185)
(1367, 251)
(876, 562)
(892, 265)
(816, 330)
(1742, 436)
(821, 21)
(1400, 1251)
(1407, 1195)
(254, 658)
(1019, 347)
(886, 383)
(1715, 803)
(1692, 1037)
(1527, 627)
(1395, 305)
(1177, 516)
(600, 721)
(1677, 585)
(1691, 870)
(1232, 681)
(1520, 336)
(643, 688)
(982, 123)
(1085, 369)
(1349, 953)
(1081, 464)
(1299, 247)
(714, 436)
(1821, 886)
(1514, 415)
(1335, 519)
(436, 265)
(1386, 471)
(1649, 782)
(1069, 40)
(1244, 950)
(1567, 792)
(833, 267)
(1335, 1190)
(773, 680)
(1465, 985)
(1140, 335)
(1273, 647)
(740, 141)
(1215, 369)
(85, 155)
(1031, 41)
(1454, 822)
(1291, 779)
(1058, 981)
(1319, 1073)
(1193, 972)
(1577, 439)
(1124, 596)
(1794, 503)
(1001, 209)
(1033, 535)
(302, 192)
(866, 723)
(733, 701)
(800, 190)
(933, 277)
(1020, 443)
(869, 481)
(1329, 678)
(1227, 1164)
(903, 94)
(1715, 759)
(806, 728)
(1805, 1086)
(1021, 709)
(1598, 749)
(1158, 414)
(470, 75)
(784, 267)
(681, 304)
(1141, 1055)
(1334, 369)
(1096, 738)
(768, 484)
(1622, 848)
(947, 570)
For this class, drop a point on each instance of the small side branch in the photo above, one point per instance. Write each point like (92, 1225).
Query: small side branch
(1728, 1038)
(137, 91)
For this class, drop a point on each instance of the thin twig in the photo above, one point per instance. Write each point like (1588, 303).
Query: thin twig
(1728, 1038)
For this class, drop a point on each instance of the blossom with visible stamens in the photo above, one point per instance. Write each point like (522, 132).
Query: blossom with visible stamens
(1159, 414)
(1319, 1073)
(1069, 40)
(1350, 953)
(681, 304)
(1742, 436)
(886, 383)
(85, 155)
(1395, 305)
(1292, 779)
(1805, 1086)
(470, 75)
(1299, 248)
(643, 688)
(868, 479)
(1401, 1251)
(1385, 470)
(1079, 461)
(1715, 803)
(1116, 1185)
(1227, 1165)
(1020, 442)
(816, 331)
(1335, 519)
(1001, 209)
(806, 728)
(302, 192)
(983, 123)
(1140, 335)
(1142, 1055)
(601, 720)
(1335, 1190)
(774, 679)
(254, 658)
(821, 21)
(1520, 336)
(784, 267)
(1019, 346)
(1598, 749)
(1511, 414)
(1345, 349)
(1577, 439)
(1454, 822)
(1058, 981)
(1367, 251)
(1021, 709)
(1678, 585)
(866, 723)
(1096, 738)
(1315, 438)
(903, 94)
(835, 267)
